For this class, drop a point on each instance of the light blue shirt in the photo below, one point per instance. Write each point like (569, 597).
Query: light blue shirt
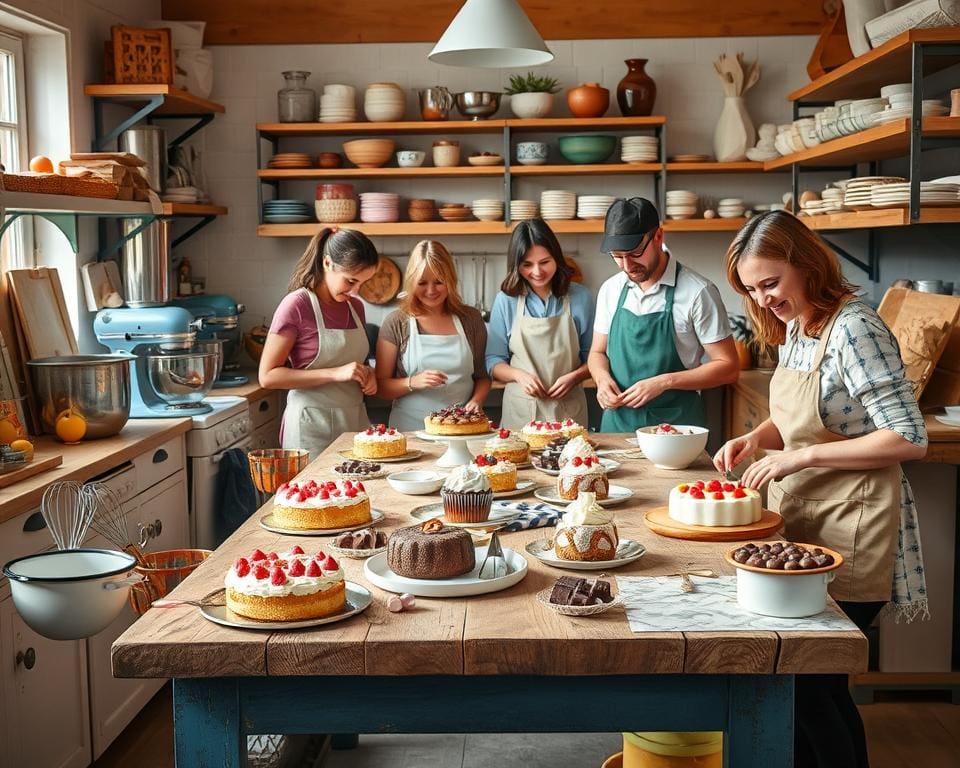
(505, 309)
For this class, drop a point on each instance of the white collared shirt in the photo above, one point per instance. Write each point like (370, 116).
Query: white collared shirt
(699, 316)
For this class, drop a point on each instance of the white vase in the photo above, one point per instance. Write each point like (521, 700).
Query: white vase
(528, 106)
(735, 133)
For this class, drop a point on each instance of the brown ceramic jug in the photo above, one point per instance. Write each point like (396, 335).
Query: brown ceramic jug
(637, 91)
(588, 100)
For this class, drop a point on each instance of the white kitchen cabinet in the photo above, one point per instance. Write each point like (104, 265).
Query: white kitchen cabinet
(46, 718)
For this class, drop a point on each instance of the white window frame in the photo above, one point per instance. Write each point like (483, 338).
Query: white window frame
(19, 237)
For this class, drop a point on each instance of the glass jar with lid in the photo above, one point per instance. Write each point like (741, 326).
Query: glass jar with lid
(295, 102)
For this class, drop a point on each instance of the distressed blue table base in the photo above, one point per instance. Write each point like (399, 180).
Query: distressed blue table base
(213, 716)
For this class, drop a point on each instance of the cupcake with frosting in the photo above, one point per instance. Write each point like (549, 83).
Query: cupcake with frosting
(467, 495)
(586, 531)
(577, 446)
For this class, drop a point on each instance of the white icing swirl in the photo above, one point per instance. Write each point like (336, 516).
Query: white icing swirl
(509, 443)
(294, 585)
(577, 446)
(500, 468)
(466, 479)
(586, 511)
(583, 469)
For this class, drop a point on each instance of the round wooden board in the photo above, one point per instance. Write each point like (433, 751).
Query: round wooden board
(659, 521)
(384, 286)
(577, 276)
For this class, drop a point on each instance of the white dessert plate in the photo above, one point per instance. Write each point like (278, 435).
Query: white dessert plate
(950, 422)
(378, 573)
(628, 551)
(498, 516)
(408, 456)
(269, 523)
(358, 600)
(543, 597)
(523, 486)
(617, 494)
(608, 464)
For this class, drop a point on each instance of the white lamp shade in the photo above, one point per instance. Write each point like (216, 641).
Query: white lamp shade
(492, 34)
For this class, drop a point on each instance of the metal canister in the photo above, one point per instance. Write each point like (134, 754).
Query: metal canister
(146, 263)
(149, 143)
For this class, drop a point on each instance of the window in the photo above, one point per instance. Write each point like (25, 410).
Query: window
(15, 250)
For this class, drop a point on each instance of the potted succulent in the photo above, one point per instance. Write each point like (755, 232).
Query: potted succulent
(531, 95)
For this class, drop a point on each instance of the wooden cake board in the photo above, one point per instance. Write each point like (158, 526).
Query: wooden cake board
(659, 521)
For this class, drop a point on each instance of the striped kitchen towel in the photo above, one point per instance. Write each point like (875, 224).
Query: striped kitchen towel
(532, 514)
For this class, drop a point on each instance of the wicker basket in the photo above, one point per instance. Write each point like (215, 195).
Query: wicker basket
(254, 348)
(336, 210)
(163, 571)
(272, 467)
(43, 183)
(142, 55)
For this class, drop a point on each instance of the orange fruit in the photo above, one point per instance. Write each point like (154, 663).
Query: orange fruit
(8, 432)
(41, 164)
(23, 445)
(71, 427)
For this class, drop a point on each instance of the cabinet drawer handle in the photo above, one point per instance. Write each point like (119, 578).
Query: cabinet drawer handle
(28, 658)
(34, 523)
(264, 406)
(160, 456)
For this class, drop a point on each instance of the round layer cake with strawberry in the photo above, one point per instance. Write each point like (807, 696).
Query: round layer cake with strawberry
(456, 420)
(539, 433)
(292, 586)
(321, 506)
(379, 442)
(509, 446)
(501, 473)
(714, 503)
(581, 475)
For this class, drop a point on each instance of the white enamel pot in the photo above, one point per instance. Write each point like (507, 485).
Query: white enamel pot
(73, 593)
(785, 594)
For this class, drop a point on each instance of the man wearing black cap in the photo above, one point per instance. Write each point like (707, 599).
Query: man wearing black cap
(661, 332)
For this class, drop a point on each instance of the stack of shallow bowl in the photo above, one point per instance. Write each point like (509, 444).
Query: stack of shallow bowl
(384, 103)
(856, 192)
(900, 105)
(379, 207)
(897, 195)
(369, 153)
(422, 209)
(832, 198)
(455, 212)
(730, 208)
(335, 203)
(286, 212)
(682, 204)
(338, 104)
(593, 206)
(558, 204)
(639, 149)
(290, 160)
(488, 209)
(523, 209)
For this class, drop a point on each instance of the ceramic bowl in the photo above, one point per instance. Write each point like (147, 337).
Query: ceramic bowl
(416, 482)
(953, 411)
(369, 153)
(591, 148)
(410, 158)
(532, 152)
(673, 451)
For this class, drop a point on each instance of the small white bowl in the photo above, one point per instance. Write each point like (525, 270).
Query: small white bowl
(416, 482)
(410, 158)
(673, 451)
(953, 411)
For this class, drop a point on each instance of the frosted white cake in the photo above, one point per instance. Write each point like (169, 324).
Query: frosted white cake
(714, 504)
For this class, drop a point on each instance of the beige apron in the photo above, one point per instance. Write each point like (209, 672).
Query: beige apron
(855, 512)
(548, 347)
(316, 417)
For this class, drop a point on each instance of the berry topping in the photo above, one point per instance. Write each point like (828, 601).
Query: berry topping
(313, 569)
(699, 484)
(504, 434)
(714, 485)
(481, 460)
(369, 431)
(360, 487)
(696, 493)
(728, 486)
(261, 572)
(324, 494)
(258, 555)
(683, 488)
(718, 495)
(302, 496)
(330, 564)
(278, 577)
(272, 556)
(351, 493)
(392, 432)
(330, 485)
(381, 429)
(297, 568)
(296, 549)
(739, 493)
(494, 425)
(283, 487)
(242, 567)
(576, 461)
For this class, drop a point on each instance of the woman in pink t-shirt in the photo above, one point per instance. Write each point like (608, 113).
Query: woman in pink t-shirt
(317, 345)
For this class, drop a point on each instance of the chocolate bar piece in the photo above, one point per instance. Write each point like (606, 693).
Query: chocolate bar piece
(569, 590)
(366, 538)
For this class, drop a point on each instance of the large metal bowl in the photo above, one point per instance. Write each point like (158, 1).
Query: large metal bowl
(216, 346)
(182, 379)
(95, 387)
(478, 105)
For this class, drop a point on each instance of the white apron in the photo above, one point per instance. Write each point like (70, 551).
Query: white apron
(424, 352)
(316, 417)
(548, 347)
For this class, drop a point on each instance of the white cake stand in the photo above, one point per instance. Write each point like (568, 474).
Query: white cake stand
(457, 451)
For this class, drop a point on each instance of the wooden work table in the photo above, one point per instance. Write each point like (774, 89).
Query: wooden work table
(503, 654)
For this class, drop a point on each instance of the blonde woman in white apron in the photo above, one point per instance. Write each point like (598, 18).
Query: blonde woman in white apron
(430, 352)
(541, 327)
(843, 418)
(317, 346)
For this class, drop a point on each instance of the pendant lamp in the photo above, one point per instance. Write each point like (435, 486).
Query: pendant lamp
(491, 34)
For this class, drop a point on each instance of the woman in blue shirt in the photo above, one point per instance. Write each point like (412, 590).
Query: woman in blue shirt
(541, 326)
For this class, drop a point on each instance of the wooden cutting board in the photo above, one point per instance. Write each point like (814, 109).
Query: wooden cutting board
(42, 311)
(658, 521)
(922, 324)
(384, 286)
(35, 467)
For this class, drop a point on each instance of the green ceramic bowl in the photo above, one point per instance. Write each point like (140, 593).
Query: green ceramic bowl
(591, 148)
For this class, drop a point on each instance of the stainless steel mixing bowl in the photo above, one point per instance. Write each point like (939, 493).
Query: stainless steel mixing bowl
(478, 105)
(95, 387)
(217, 346)
(182, 379)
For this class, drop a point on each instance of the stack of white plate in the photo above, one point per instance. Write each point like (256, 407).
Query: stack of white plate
(832, 199)
(682, 204)
(931, 193)
(379, 207)
(639, 149)
(901, 109)
(856, 192)
(384, 103)
(180, 195)
(523, 209)
(488, 209)
(730, 208)
(338, 104)
(812, 207)
(593, 206)
(558, 204)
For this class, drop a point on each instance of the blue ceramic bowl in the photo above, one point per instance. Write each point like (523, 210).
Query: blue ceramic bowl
(531, 152)
(591, 148)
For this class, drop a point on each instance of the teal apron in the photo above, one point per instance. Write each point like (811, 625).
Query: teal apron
(640, 347)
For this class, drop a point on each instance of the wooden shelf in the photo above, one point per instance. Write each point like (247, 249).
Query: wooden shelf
(553, 124)
(703, 225)
(882, 141)
(865, 75)
(881, 217)
(277, 174)
(175, 101)
(281, 130)
(906, 679)
(32, 202)
(596, 169)
(746, 166)
(413, 228)
(194, 209)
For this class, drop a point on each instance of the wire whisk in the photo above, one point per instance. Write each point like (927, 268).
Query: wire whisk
(110, 521)
(66, 513)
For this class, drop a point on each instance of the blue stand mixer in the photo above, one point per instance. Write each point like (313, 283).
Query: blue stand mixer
(169, 377)
(220, 315)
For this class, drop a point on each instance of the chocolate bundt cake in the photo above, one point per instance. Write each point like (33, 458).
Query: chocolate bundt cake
(430, 551)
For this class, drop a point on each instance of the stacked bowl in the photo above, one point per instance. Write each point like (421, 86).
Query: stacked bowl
(286, 212)
(523, 209)
(422, 209)
(488, 209)
(379, 207)
(455, 212)
(682, 204)
(558, 204)
(384, 102)
(335, 203)
(593, 206)
(369, 153)
(290, 160)
(730, 208)
(639, 149)
(338, 104)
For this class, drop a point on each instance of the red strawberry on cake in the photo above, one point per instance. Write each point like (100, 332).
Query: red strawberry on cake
(509, 446)
(714, 503)
(582, 474)
(321, 506)
(379, 441)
